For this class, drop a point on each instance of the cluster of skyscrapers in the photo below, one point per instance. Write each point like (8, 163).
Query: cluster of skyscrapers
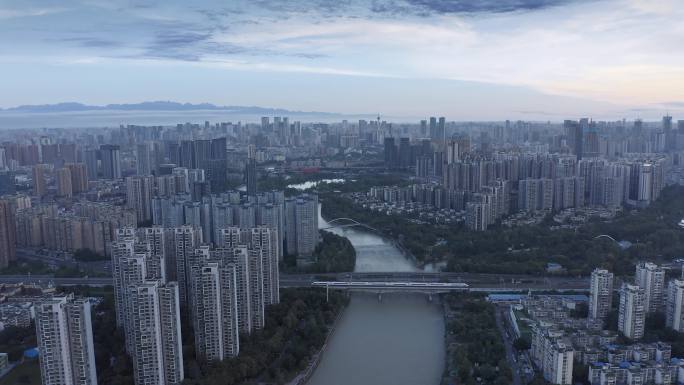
(295, 219)
(649, 293)
(160, 276)
(184, 249)
(165, 274)
(582, 163)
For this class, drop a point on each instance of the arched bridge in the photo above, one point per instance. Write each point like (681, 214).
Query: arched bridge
(607, 237)
(346, 222)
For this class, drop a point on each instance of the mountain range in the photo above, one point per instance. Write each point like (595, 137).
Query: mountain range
(155, 106)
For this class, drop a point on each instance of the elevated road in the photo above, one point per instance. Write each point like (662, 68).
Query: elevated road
(378, 286)
(476, 282)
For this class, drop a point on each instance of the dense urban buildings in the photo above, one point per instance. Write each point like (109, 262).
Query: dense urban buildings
(351, 192)
(585, 163)
(86, 226)
(222, 291)
(561, 339)
(198, 219)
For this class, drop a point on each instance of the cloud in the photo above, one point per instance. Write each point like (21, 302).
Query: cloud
(27, 12)
(89, 42)
(325, 7)
(180, 38)
(495, 6)
(616, 50)
(676, 104)
(424, 8)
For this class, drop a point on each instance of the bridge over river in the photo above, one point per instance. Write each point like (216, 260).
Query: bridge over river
(390, 281)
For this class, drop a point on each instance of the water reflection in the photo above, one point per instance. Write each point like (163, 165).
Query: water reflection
(373, 253)
(398, 340)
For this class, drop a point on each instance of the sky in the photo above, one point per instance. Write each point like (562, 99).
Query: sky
(465, 59)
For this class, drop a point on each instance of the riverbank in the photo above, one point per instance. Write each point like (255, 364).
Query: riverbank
(397, 340)
(450, 374)
(295, 330)
(411, 261)
(303, 377)
(333, 254)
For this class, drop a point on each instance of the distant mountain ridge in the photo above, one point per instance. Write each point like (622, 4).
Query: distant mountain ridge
(154, 106)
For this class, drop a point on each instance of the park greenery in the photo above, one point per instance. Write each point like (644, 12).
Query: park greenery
(15, 340)
(360, 181)
(111, 360)
(87, 255)
(479, 356)
(295, 330)
(652, 231)
(27, 373)
(522, 343)
(26, 267)
(333, 254)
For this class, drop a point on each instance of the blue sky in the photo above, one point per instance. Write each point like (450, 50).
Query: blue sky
(487, 59)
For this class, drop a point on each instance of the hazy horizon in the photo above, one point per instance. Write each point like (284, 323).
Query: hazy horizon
(114, 118)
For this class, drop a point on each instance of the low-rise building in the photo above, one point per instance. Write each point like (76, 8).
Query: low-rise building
(19, 314)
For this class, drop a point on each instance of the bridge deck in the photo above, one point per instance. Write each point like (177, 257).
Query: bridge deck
(398, 286)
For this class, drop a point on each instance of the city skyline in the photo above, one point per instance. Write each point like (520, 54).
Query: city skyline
(536, 60)
(326, 192)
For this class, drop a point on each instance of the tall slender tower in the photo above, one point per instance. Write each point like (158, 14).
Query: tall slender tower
(601, 296)
(154, 323)
(139, 196)
(65, 341)
(215, 308)
(111, 161)
(266, 240)
(632, 311)
(128, 268)
(39, 185)
(8, 234)
(651, 278)
(184, 240)
(250, 171)
(674, 315)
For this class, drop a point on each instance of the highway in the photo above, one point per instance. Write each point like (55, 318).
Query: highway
(476, 282)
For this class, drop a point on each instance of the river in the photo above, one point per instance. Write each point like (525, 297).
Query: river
(398, 340)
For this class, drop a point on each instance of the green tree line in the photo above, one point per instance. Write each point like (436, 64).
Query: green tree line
(653, 232)
(480, 355)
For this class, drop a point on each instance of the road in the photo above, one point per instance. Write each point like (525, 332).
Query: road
(477, 282)
(508, 343)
